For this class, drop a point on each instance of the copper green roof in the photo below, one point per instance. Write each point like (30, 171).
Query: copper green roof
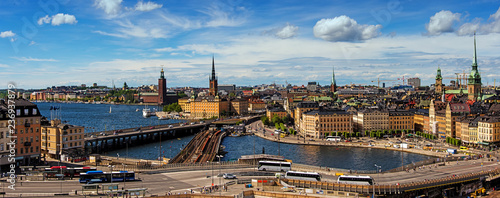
(457, 91)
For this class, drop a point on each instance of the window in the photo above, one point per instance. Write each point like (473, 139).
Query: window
(36, 149)
(31, 149)
(26, 111)
(34, 113)
(18, 112)
(21, 131)
(31, 139)
(1, 147)
(21, 150)
(36, 138)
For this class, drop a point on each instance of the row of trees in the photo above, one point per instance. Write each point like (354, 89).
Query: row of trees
(453, 141)
(426, 135)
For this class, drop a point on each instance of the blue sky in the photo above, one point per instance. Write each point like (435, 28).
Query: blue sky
(73, 42)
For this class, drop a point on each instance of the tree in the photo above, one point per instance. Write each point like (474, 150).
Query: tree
(276, 119)
(277, 125)
(125, 86)
(232, 95)
(265, 120)
(181, 94)
(286, 119)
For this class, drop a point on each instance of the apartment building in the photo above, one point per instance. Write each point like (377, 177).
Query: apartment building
(62, 141)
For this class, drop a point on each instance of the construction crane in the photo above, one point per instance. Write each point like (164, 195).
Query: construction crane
(378, 81)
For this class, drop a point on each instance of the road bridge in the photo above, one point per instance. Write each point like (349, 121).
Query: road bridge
(202, 148)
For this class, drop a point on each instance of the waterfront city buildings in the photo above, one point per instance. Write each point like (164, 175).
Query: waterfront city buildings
(62, 141)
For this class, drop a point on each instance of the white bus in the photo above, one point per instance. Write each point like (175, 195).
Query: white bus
(275, 166)
(310, 176)
(333, 138)
(353, 179)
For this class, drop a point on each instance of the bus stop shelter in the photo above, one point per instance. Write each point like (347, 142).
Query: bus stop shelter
(134, 193)
(90, 189)
(109, 187)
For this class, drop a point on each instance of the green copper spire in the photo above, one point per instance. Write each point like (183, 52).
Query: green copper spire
(474, 76)
(162, 75)
(333, 76)
(438, 76)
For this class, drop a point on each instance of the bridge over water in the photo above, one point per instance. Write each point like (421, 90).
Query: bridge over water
(97, 143)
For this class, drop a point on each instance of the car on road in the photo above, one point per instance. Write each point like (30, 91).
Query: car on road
(152, 127)
(137, 129)
(398, 142)
(229, 176)
(348, 140)
(311, 139)
(103, 134)
(181, 124)
(192, 123)
(170, 126)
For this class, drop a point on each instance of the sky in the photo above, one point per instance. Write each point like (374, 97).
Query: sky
(73, 42)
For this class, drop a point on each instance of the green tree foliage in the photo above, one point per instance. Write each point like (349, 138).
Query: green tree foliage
(181, 94)
(265, 120)
(277, 125)
(172, 107)
(125, 86)
(276, 119)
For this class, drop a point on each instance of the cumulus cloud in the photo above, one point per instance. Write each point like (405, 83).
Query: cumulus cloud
(58, 19)
(494, 25)
(467, 29)
(148, 6)
(343, 28)
(288, 31)
(7, 34)
(442, 22)
(111, 7)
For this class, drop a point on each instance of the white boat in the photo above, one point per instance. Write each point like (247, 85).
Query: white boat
(146, 112)
(163, 117)
(109, 109)
(136, 109)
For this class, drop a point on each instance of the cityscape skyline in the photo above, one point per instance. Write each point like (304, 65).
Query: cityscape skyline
(73, 43)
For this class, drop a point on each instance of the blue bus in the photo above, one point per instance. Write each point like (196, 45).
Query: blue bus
(103, 177)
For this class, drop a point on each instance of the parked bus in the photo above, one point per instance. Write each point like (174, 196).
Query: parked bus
(66, 171)
(99, 176)
(353, 179)
(275, 166)
(310, 176)
(333, 138)
(463, 148)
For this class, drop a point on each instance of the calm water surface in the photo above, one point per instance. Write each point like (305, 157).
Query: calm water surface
(96, 117)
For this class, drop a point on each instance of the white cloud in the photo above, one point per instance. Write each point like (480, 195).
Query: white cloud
(110, 7)
(442, 22)
(165, 49)
(32, 43)
(148, 6)
(3, 65)
(26, 59)
(343, 28)
(7, 34)
(468, 29)
(494, 25)
(224, 15)
(58, 19)
(288, 31)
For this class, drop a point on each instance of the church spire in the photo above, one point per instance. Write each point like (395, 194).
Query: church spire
(333, 76)
(474, 61)
(213, 68)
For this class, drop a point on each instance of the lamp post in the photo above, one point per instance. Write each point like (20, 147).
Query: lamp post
(377, 168)
(124, 176)
(111, 170)
(220, 167)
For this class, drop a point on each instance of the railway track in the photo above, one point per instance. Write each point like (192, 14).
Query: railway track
(202, 148)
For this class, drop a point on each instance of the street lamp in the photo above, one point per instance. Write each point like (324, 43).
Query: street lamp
(111, 168)
(220, 167)
(377, 167)
(124, 176)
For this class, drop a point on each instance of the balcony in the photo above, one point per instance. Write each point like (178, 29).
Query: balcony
(27, 144)
(27, 124)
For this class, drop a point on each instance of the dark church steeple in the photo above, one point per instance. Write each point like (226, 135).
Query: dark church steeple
(474, 85)
(213, 80)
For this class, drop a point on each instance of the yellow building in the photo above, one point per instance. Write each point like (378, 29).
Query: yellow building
(301, 108)
(373, 119)
(185, 105)
(256, 105)
(320, 123)
(209, 106)
(401, 120)
(62, 140)
(271, 112)
(488, 130)
(239, 106)
(440, 125)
